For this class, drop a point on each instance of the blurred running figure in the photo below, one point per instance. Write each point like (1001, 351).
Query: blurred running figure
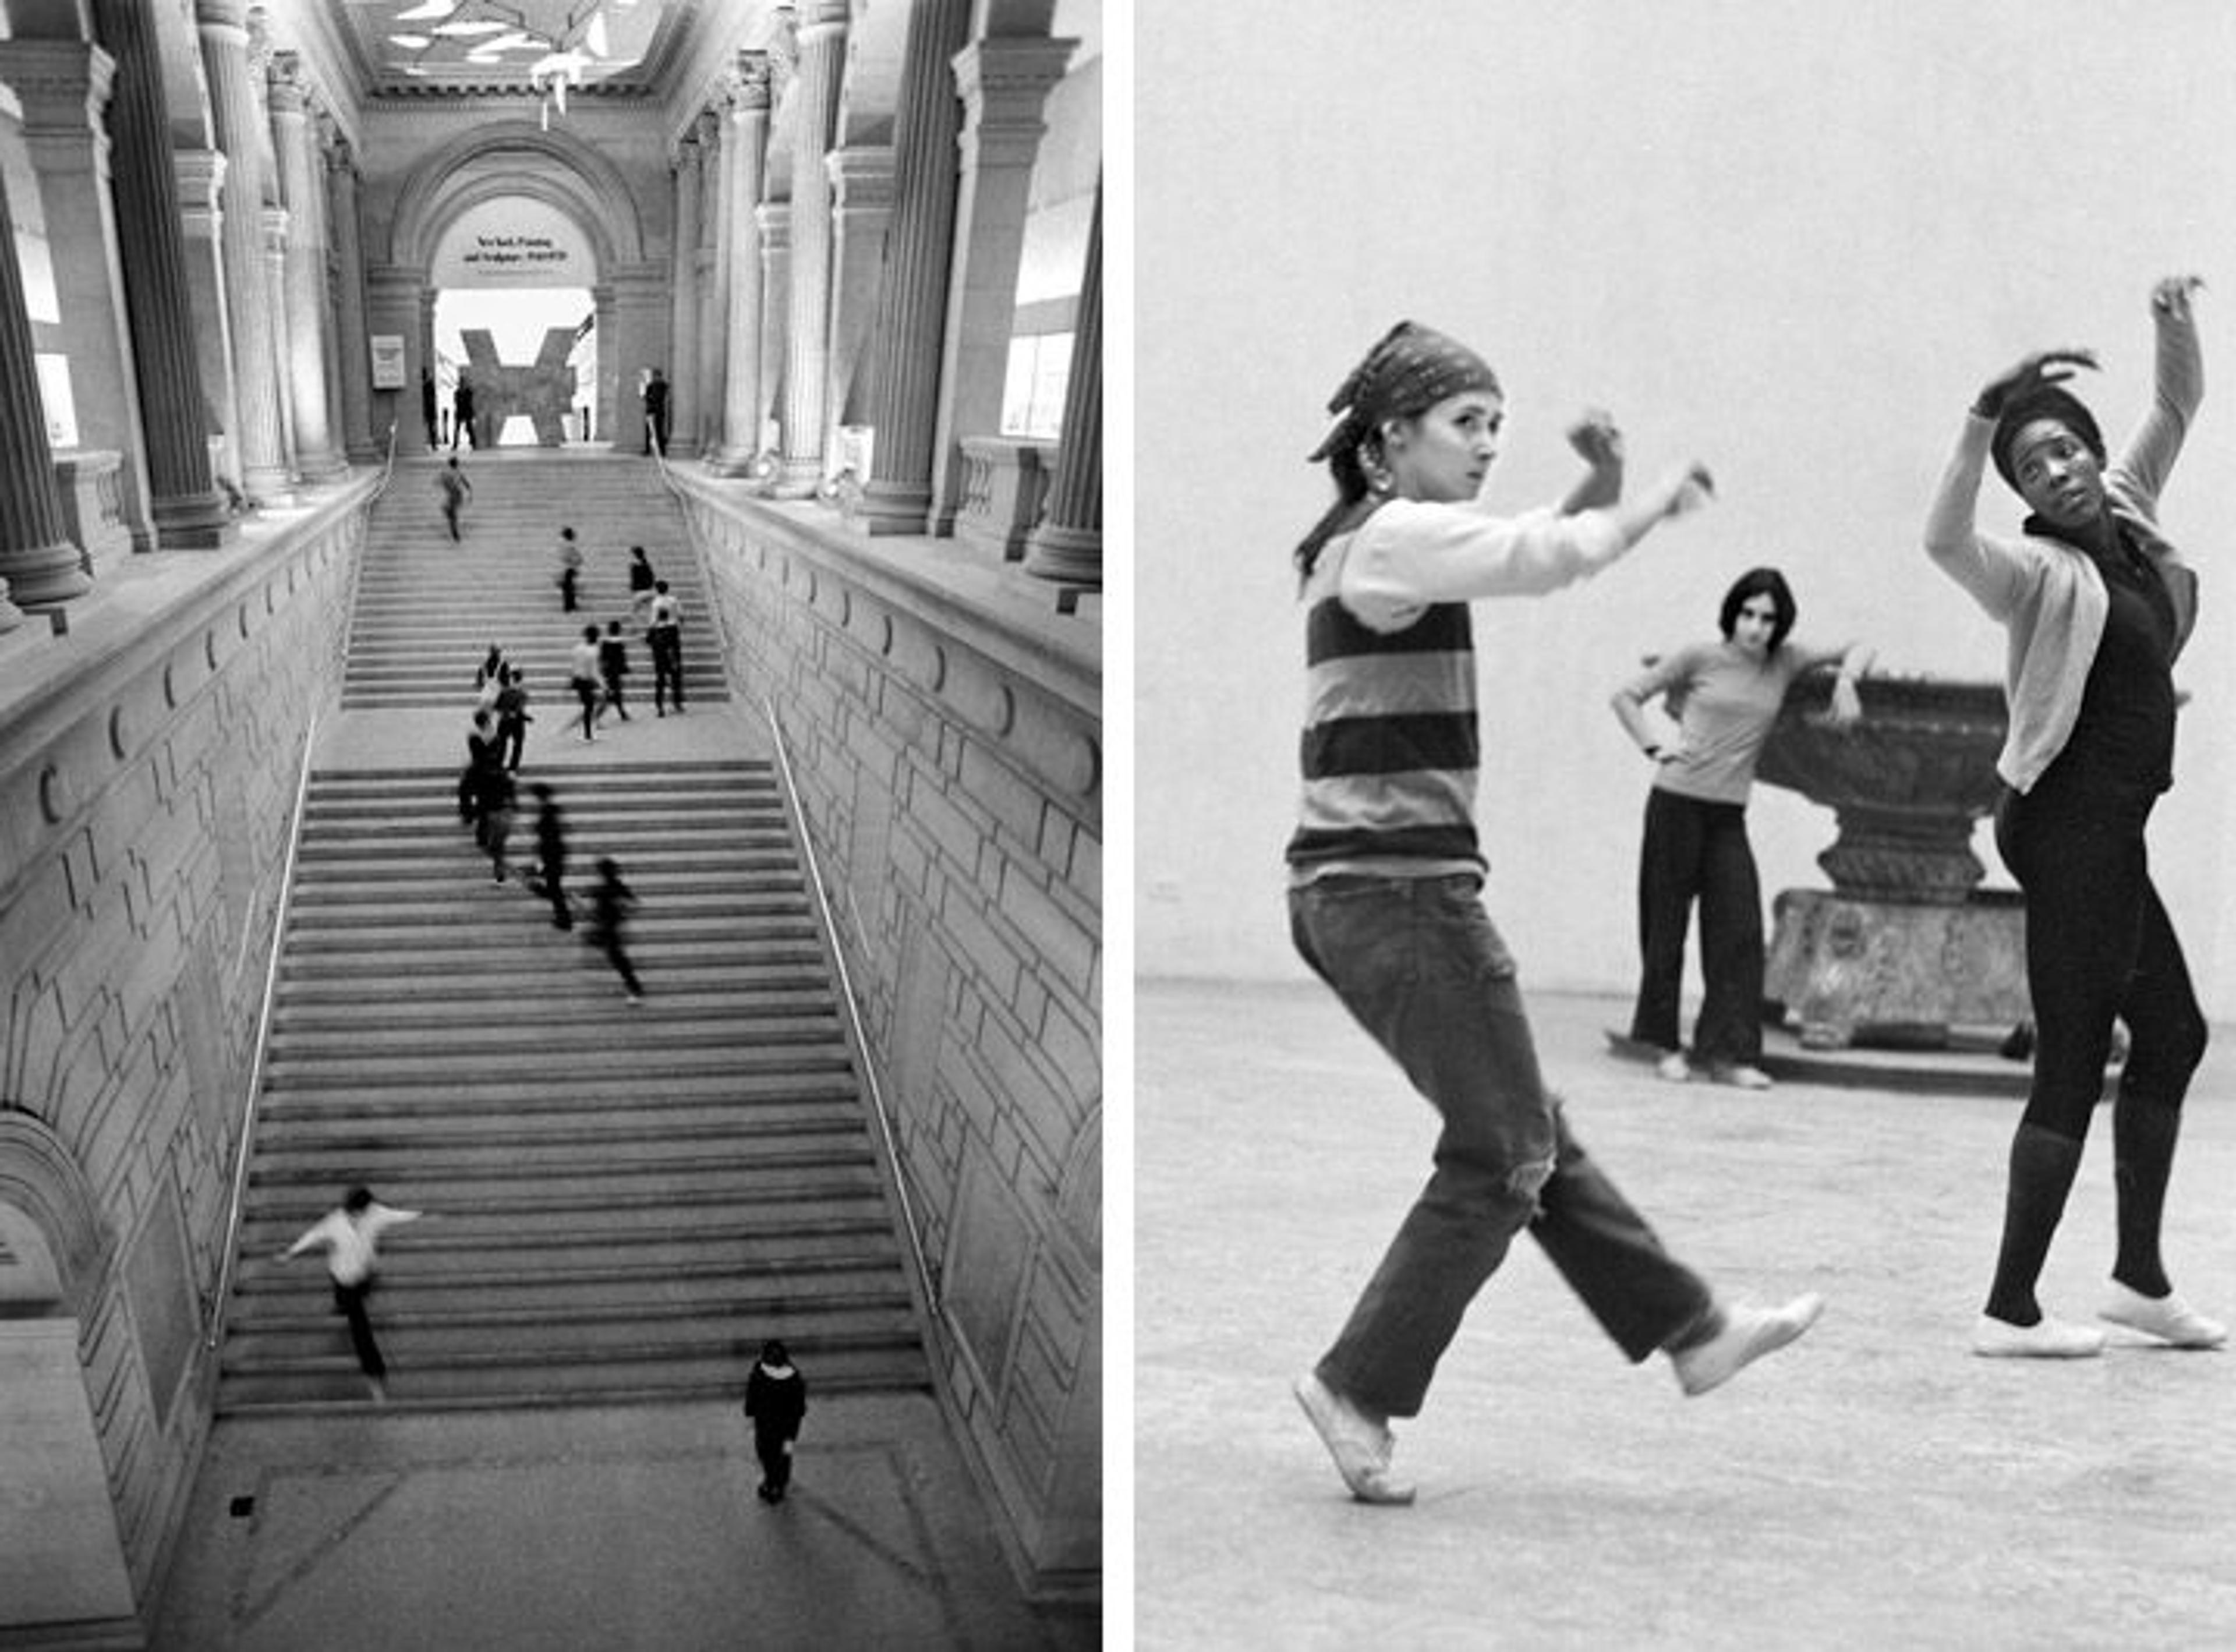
(611, 902)
(551, 855)
(350, 1236)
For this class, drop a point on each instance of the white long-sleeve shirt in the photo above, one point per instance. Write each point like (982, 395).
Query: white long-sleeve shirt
(350, 1240)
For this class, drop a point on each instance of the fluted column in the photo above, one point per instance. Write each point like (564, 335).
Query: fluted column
(775, 219)
(232, 102)
(201, 223)
(1005, 82)
(1068, 543)
(807, 331)
(38, 564)
(64, 86)
(744, 153)
(683, 387)
(713, 265)
(861, 208)
(187, 508)
(360, 442)
(302, 181)
(901, 403)
(274, 222)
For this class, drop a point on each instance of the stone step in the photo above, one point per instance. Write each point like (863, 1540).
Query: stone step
(559, 1092)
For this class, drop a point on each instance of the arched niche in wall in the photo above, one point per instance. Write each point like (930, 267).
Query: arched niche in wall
(518, 159)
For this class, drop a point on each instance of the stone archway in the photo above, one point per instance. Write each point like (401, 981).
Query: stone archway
(63, 1561)
(559, 172)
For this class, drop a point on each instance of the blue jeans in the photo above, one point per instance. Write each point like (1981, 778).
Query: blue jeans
(1694, 850)
(1418, 963)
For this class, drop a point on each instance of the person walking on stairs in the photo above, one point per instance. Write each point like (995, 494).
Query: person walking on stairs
(776, 1399)
(570, 571)
(351, 1235)
(456, 491)
(613, 666)
(641, 579)
(611, 902)
(481, 762)
(551, 856)
(512, 719)
(582, 672)
(663, 635)
(498, 796)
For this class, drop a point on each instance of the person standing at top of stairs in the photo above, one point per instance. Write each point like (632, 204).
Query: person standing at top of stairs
(351, 1235)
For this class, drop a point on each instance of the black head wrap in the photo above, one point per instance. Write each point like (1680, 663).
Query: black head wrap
(1410, 371)
(2043, 401)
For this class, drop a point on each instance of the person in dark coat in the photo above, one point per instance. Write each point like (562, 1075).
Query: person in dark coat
(656, 413)
(776, 1398)
(461, 412)
(613, 666)
(551, 855)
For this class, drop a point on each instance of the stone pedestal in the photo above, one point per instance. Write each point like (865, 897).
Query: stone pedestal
(1005, 485)
(1861, 971)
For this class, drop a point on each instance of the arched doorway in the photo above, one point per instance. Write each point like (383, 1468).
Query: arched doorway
(563, 196)
(511, 280)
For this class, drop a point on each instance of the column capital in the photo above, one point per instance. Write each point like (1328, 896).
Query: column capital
(861, 177)
(708, 127)
(994, 75)
(288, 88)
(821, 16)
(685, 154)
(744, 87)
(221, 13)
(775, 218)
(261, 48)
(58, 83)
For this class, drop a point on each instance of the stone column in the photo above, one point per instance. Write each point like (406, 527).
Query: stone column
(188, 510)
(901, 404)
(712, 266)
(683, 386)
(273, 220)
(1068, 545)
(232, 103)
(808, 335)
(744, 153)
(862, 207)
(361, 444)
(620, 415)
(64, 86)
(1005, 82)
(38, 564)
(202, 221)
(776, 287)
(303, 271)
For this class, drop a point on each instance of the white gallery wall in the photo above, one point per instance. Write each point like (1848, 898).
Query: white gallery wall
(1790, 240)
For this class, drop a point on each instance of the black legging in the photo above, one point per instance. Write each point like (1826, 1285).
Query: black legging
(2100, 948)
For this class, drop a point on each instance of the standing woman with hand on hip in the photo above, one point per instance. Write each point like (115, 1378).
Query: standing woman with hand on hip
(1725, 698)
(2097, 605)
(1384, 881)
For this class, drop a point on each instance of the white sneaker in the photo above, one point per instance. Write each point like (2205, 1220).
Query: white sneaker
(1740, 1075)
(1749, 1333)
(2046, 1338)
(1674, 1067)
(1359, 1445)
(2168, 1318)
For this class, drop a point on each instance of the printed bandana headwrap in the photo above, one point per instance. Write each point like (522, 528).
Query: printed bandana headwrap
(1411, 370)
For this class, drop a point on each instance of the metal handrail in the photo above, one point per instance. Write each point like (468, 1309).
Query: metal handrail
(847, 996)
(216, 1332)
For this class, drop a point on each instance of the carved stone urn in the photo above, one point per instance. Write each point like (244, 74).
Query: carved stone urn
(1906, 946)
(1906, 784)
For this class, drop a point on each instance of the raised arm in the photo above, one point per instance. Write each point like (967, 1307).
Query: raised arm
(2178, 387)
(1410, 553)
(1995, 573)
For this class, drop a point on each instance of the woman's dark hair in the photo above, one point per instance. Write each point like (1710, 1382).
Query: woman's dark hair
(1758, 582)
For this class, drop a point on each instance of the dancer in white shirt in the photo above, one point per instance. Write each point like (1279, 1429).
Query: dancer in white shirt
(351, 1235)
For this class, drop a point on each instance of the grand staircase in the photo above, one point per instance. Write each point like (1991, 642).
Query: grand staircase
(427, 609)
(622, 1201)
